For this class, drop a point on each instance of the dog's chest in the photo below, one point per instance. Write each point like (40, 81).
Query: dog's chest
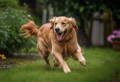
(68, 50)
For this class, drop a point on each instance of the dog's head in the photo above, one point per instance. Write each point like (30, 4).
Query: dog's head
(63, 26)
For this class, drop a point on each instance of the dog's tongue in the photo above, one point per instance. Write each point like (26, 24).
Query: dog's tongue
(60, 37)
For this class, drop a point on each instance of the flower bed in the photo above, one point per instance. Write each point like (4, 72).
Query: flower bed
(116, 45)
(114, 39)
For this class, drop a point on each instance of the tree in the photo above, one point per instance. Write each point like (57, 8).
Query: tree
(81, 10)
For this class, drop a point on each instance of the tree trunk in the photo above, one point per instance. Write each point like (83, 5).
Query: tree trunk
(44, 16)
(51, 12)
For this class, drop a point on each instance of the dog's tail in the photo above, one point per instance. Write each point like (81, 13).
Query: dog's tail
(30, 29)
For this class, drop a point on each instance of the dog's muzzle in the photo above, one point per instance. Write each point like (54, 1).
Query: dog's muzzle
(59, 33)
(57, 30)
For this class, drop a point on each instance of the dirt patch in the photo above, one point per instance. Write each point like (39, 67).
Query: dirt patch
(5, 64)
(18, 58)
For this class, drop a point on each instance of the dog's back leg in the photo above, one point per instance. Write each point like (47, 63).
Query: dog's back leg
(46, 58)
(44, 55)
(44, 52)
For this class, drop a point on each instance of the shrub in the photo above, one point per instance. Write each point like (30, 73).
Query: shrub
(8, 3)
(11, 39)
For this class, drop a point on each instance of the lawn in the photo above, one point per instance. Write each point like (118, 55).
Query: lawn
(103, 65)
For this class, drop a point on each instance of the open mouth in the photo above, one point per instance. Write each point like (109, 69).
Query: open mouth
(61, 35)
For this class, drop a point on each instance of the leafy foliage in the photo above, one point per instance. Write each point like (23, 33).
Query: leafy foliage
(82, 8)
(11, 39)
(8, 3)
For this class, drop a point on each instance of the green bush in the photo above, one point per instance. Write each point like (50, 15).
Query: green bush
(8, 3)
(11, 39)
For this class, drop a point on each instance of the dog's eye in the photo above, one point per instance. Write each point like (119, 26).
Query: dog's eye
(63, 23)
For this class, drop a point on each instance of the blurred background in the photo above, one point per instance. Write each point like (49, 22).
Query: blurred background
(98, 36)
(96, 20)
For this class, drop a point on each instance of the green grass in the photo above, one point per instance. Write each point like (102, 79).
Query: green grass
(102, 66)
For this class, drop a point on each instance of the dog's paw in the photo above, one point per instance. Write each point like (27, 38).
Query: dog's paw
(82, 60)
(66, 69)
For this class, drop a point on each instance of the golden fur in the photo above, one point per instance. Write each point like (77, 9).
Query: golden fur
(58, 37)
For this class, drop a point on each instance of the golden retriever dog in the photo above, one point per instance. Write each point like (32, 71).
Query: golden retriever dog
(57, 37)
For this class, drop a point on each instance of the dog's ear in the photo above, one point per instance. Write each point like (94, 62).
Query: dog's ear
(73, 22)
(52, 21)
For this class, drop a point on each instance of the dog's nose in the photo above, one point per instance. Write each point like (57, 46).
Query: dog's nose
(57, 30)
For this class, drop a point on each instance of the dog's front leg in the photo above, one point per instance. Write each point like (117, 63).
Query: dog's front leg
(62, 63)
